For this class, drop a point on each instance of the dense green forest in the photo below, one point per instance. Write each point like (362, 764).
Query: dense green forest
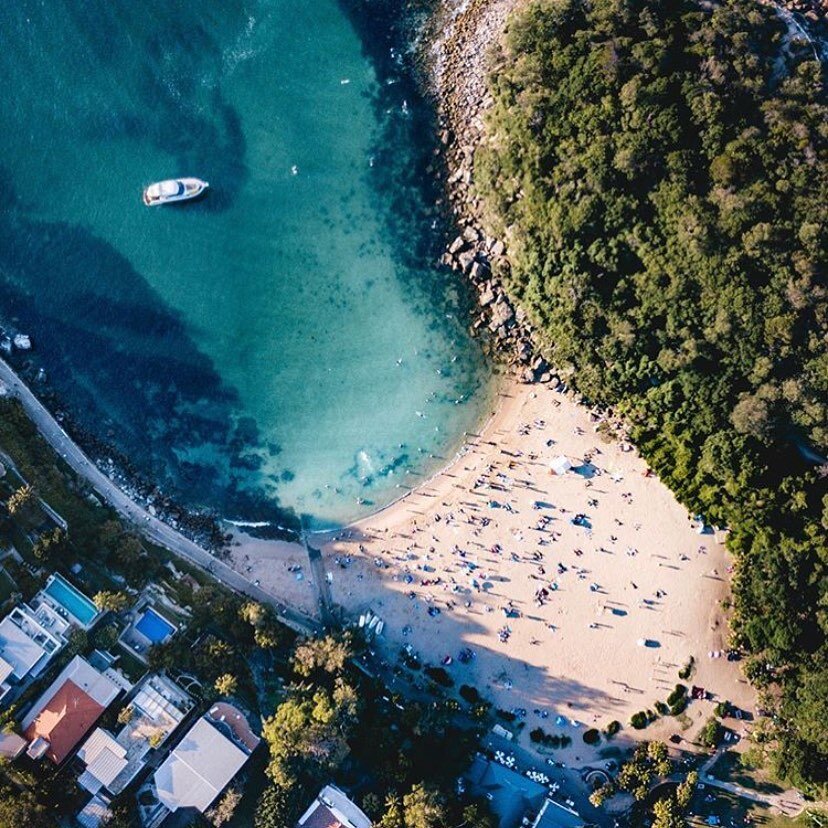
(659, 170)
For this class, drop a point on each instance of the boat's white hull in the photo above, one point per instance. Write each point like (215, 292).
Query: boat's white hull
(188, 189)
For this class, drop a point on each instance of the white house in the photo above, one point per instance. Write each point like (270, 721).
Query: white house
(204, 762)
(332, 809)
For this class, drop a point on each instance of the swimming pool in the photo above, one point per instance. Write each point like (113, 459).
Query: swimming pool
(71, 599)
(152, 626)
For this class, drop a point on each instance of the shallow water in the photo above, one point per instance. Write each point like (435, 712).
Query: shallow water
(284, 342)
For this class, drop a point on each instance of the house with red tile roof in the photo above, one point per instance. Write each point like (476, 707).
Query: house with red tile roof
(65, 713)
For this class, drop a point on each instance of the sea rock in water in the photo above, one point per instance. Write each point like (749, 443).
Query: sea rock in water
(457, 245)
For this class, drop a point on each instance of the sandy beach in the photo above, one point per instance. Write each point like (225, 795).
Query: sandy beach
(581, 595)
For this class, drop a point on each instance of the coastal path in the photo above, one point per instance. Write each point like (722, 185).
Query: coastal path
(320, 582)
(151, 527)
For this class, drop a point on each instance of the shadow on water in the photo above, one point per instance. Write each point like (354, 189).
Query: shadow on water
(125, 365)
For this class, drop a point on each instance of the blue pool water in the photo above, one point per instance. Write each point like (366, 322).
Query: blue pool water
(71, 599)
(152, 626)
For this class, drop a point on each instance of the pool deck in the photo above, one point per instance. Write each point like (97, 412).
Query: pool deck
(135, 641)
(83, 619)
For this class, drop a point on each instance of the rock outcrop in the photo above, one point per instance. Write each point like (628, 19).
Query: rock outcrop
(460, 64)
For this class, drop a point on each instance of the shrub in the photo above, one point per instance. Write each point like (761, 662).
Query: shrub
(469, 694)
(711, 734)
(721, 709)
(639, 720)
(612, 728)
(661, 708)
(687, 670)
(677, 700)
(679, 707)
(592, 736)
(506, 715)
(550, 740)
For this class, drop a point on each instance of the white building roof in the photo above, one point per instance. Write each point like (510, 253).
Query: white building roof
(199, 768)
(104, 759)
(161, 701)
(6, 669)
(337, 808)
(94, 813)
(11, 745)
(18, 649)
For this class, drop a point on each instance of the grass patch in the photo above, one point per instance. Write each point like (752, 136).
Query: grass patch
(730, 767)
(685, 722)
(133, 668)
(709, 801)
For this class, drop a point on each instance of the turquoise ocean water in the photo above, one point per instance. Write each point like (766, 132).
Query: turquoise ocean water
(286, 341)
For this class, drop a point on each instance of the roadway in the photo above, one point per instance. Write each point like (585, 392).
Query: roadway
(149, 526)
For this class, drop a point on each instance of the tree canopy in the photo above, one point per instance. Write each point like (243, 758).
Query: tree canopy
(659, 170)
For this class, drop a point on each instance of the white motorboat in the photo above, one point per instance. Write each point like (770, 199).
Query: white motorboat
(172, 190)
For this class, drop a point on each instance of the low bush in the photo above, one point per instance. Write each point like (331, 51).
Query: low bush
(411, 662)
(592, 736)
(469, 694)
(551, 740)
(439, 676)
(677, 700)
(712, 733)
(612, 728)
(687, 670)
(639, 720)
(679, 707)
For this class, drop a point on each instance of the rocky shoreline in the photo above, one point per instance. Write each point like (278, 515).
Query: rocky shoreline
(200, 526)
(458, 63)
(815, 11)
(460, 44)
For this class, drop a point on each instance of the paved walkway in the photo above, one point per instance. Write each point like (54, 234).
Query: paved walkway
(153, 529)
